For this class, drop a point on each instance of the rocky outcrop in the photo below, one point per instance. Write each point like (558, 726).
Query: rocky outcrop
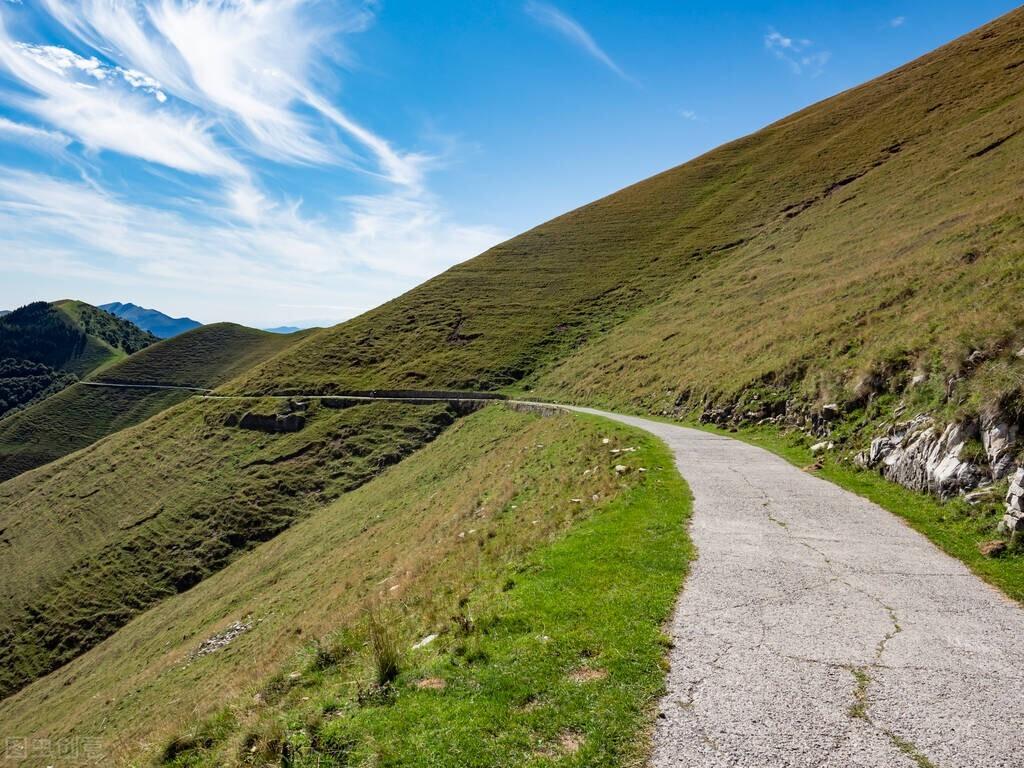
(999, 436)
(920, 456)
(1013, 520)
(290, 422)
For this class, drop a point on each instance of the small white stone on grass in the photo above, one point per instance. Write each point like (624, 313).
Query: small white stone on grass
(424, 642)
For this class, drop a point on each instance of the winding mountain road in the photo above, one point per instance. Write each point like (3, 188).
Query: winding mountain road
(816, 629)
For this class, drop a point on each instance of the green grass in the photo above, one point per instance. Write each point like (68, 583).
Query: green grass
(598, 577)
(81, 415)
(98, 537)
(556, 659)
(107, 338)
(203, 357)
(71, 420)
(954, 526)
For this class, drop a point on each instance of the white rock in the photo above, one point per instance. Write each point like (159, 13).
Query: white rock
(999, 438)
(424, 642)
(926, 460)
(621, 469)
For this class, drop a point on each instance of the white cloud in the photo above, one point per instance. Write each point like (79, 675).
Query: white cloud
(29, 134)
(64, 62)
(204, 87)
(248, 62)
(382, 245)
(897, 22)
(801, 54)
(688, 114)
(573, 31)
(78, 96)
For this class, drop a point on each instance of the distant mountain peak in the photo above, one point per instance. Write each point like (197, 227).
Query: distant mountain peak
(151, 320)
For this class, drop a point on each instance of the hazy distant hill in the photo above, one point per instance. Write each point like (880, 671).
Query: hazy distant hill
(283, 329)
(157, 323)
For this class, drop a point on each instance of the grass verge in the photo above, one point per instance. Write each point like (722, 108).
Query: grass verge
(552, 658)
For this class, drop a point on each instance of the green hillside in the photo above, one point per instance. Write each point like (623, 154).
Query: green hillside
(82, 414)
(868, 235)
(46, 347)
(448, 533)
(203, 357)
(93, 539)
(863, 252)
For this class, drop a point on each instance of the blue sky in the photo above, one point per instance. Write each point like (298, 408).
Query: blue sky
(298, 161)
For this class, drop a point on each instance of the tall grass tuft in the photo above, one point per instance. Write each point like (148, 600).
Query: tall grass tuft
(387, 657)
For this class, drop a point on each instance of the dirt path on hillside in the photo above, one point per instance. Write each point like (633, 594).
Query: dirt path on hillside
(817, 629)
(119, 385)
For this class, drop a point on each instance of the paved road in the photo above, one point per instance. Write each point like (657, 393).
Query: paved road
(817, 629)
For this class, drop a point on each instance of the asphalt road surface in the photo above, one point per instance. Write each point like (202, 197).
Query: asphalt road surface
(817, 629)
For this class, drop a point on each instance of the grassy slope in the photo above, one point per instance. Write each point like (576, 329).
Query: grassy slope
(203, 357)
(911, 266)
(73, 419)
(81, 415)
(108, 340)
(95, 538)
(789, 259)
(506, 481)
(803, 250)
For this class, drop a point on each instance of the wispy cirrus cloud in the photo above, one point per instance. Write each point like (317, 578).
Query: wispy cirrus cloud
(897, 22)
(801, 54)
(30, 134)
(574, 32)
(251, 64)
(284, 255)
(230, 95)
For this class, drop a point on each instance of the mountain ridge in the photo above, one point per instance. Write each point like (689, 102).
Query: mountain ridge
(152, 320)
(203, 357)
